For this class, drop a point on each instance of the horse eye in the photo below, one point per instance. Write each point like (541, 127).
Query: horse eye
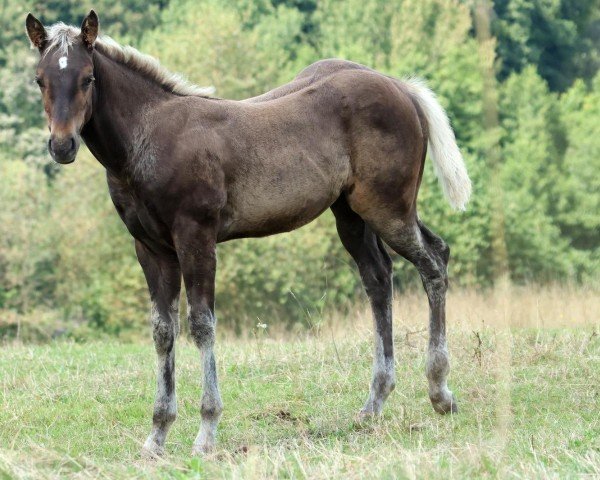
(38, 80)
(88, 81)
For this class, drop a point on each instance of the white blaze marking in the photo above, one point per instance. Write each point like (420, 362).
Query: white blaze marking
(62, 62)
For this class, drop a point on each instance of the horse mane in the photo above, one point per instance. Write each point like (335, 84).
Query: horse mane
(62, 37)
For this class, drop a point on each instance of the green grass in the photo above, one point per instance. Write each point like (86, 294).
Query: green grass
(529, 407)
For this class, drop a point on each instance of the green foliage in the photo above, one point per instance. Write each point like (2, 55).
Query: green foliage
(578, 208)
(286, 278)
(209, 40)
(559, 37)
(64, 249)
(27, 257)
(100, 279)
(531, 166)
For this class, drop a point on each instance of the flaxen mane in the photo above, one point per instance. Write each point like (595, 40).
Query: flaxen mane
(62, 37)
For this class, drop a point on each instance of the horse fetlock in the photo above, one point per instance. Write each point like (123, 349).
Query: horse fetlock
(202, 449)
(438, 365)
(372, 408)
(383, 384)
(205, 441)
(211, 409)
(154, 446)
(443, 401)
(163, 418)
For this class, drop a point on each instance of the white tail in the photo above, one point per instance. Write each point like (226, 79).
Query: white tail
(448, 163)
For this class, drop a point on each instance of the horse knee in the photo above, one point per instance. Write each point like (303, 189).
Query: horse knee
(377, 281)
(164, 330)
(202, 328)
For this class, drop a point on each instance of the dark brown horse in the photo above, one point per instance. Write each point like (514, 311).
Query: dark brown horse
(186, 171)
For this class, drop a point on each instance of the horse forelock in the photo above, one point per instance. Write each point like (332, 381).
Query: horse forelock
(61, 37)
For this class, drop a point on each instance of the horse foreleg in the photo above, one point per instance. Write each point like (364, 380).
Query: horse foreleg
(164, 281)
(196, 248)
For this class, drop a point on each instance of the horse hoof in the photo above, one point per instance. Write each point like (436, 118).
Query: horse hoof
(367, 413)
(445, 404)
(202, 450)
(363, 416)
(152, 451)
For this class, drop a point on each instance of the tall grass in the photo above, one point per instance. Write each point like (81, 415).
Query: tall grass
(509, 306)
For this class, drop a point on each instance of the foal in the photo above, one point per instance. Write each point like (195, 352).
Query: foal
(186, 172)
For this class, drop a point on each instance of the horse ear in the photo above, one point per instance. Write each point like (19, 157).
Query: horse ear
(36, 32)
(89, 29)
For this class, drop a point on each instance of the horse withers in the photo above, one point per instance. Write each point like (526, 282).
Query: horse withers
(187, 171)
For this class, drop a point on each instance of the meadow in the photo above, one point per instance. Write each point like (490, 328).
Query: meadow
(525, 365)
(520, 83)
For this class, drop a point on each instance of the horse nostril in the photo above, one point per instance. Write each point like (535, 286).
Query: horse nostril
(62, 148)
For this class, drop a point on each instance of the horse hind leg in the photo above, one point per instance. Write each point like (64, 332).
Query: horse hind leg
(375, 267)
(430, 255)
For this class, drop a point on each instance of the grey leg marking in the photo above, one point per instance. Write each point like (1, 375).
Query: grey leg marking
(196, 249)
(430, 254)
(435, 280)
(438, 361)
(164, 282)
(384, 375)
(165, 331)
(202, 328)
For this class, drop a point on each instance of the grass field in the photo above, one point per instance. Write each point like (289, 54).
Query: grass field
(525, 371)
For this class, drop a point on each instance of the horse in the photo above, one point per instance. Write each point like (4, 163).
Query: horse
(187, 171)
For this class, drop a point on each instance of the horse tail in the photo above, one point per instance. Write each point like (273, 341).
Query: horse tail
(448, 163)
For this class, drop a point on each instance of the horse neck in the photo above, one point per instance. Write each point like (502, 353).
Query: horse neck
(121, 96)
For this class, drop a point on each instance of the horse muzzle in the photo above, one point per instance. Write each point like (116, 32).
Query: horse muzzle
(63, 149)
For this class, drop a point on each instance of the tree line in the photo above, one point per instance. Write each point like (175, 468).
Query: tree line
(518, 78)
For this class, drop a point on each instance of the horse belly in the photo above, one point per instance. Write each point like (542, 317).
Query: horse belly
(284, 198)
